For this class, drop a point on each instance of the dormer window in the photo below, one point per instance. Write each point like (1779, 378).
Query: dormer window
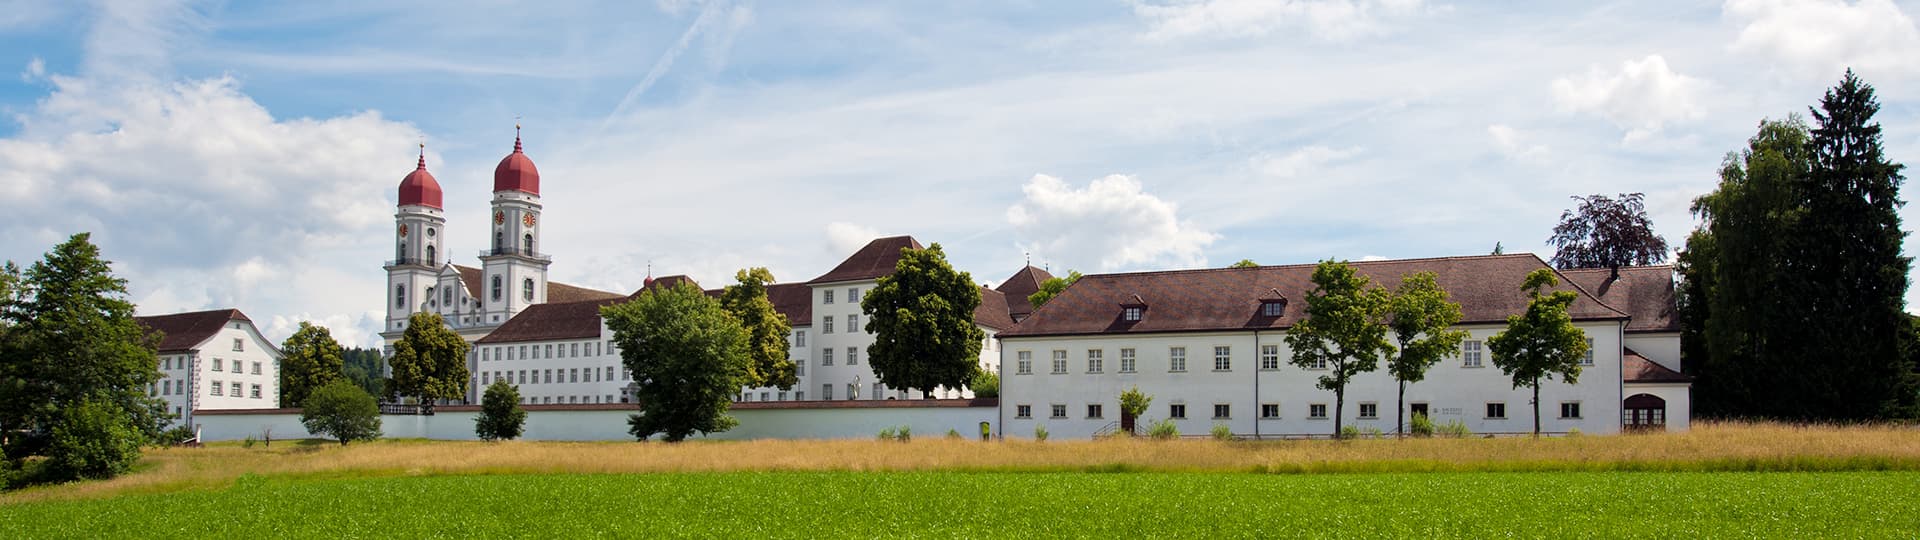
(1132, 313)
(1273, 308)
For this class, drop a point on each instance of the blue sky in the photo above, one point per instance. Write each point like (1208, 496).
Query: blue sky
(246, 154)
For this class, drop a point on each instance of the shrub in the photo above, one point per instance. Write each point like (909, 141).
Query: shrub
(343, 411)
(1454, 429)
(93, 440)
(1373, 432)
(1222, 432)
(985, 384)
(1573, 432)
(248, 443)
(888, 433)
(1348, 433)
(953, 433)
(1164, 430)
(1039, 432)
(501, 417)
(1421, 426)
(904, 434)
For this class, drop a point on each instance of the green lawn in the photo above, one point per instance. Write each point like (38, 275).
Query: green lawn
(949, 504)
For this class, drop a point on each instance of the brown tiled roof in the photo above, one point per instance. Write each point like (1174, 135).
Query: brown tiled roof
(992, 312)
(1638, 369)
(1022, 285)
(1645, 292)
(876, 259)
(668, 282)
(1487, 287)
(551, 321)
(556, 292)
(185, 330)
(795, 300)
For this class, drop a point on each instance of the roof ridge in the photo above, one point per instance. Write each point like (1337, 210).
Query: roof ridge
(1575, 284)
(230, 311)
(1312, 264)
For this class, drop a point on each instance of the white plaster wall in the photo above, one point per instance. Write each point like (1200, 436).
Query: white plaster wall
(1451, 390)
(1662, 347)
(1679, 398)
(611, 425)
(591, 358)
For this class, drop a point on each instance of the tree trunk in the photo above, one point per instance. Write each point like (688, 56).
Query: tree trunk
(1339, 404)
(1536, 410)
(1400, 412)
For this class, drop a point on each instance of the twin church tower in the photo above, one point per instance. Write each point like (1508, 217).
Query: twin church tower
(513, 272)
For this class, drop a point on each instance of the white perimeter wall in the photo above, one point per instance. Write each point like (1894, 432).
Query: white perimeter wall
(611, 425)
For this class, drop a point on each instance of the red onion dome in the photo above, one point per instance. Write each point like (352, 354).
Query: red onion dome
(419, 187)
(516, 172)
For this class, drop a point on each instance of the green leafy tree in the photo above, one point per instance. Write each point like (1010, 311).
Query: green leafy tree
(343, 411)
(1541, 343)
(1605, 232)
(1343, 332)
(72, 352)
(1052, 287)
(767, 329)
(985, 384)
(688, 356)
(1133, 403)
(921, 317)
(429, 362)
(362, 366)
(1245, 263)
(310, 359)
(1421, 314)
(500, 415)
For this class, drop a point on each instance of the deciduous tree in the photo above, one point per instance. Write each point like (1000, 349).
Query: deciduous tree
(767, 329)
(921, 318)
(1245, 263)
(501, 417)
(1052, 287)
(1604, 232)
(1420, 316)
(310, 359)
(688, 356)
(343, 411)
(1541, 343)
(1343, 333)
(429, 362)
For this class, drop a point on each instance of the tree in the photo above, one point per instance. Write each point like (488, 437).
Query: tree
(71, 355)
(1343, 332)
(1420, 317)
(1052, 287)
(343, 411)
(500, 415)
(1607, 233)
(310, 359)
(921, 317)
(1498, 249)
(429, 362)
(688, 358)
(985, 384)
(766, 329)
(1133, 403)
(1542, 342)
(362, 366)
(1245, 263)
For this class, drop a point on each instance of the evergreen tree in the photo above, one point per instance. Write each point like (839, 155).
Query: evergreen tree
(1541, 343)
(688, 357)
(767, 329)
(310, 359)
(72, 355)
(1420, 317)
(1343, 333)
(922, 320)
(501, 417)
(429, 362)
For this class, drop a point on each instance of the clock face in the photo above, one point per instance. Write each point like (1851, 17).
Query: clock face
(403, 230)
(499, 217)
(527, 219)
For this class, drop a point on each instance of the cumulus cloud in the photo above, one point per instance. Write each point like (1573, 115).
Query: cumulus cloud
(845, 238)
(1642, 96)
(1819, 38)
(1513, 143)
(1112, 224)
(1330, 20)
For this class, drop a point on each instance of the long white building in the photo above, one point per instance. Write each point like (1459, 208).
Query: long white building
(213, 360)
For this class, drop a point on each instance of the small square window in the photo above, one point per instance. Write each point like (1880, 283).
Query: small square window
(219, 365)
(1127, 360)
(1569, 409)
(1269, 357)
(1223, 358)
(828, 296)
(1369, 410)
(853, 294)
(1496, 410)
(1096, 361)
(1132, 313)
(256, 368)
(1273, 309)
(1094, 410)
(1317, 411)
(853, 355)
(1059, 410)
(239, 345)
(217, 387)
(1222, 410)
(1023, 411)
(1470, 353)
(254, 391)
(1177, 410)
(1269, 410)
(1059, 362)
(826, 357)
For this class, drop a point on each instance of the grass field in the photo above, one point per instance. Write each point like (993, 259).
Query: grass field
(957, 504)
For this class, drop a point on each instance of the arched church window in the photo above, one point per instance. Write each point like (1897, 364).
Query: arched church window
(399, 296)
(430, 259)
(499, 240)
(526, 244)
(526, 289)
(496, 287)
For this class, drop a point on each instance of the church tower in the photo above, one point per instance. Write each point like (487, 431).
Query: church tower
(514, 273)
(419, 227)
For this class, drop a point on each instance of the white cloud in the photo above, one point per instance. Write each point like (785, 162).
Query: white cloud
(36, 68)
(1112, 223)
(1371, 258)
(1513, 143)
(1331, 20)
(1642, 96)
(1300, 161)
(845, 238)
(1820, 38)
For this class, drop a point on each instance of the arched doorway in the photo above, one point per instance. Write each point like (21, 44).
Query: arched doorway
(1644, 412)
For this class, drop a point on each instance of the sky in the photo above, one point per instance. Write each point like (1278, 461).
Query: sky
(247, 154)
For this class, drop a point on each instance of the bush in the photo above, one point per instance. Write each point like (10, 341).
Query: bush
(1222, 432)
(1454, 429)
(1164, 430)
(888, 433)
(1348, 433)
(249, 442)
(501, 417)
(1421, 426)
(1373, 433)
(343, 411)
(94, 439)
(1040, 433)
(985, 384)
(953, 433)
(175, 435)
(904, 434)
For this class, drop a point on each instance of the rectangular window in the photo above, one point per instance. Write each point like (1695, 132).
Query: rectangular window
(236, 366)
(1024, 366)
(799, 367)
(799, 395)
(1272, 309)
(1317, 411)
(574, 350)
(1269, 410)
(879, 391)
(1132, 313)
(764, 395)
(254, 391)
(235, 386)
(1095, 362)
(853, 356)
(826, 357)
(609, 376)
(826, 324)
(1223, 358)
(549, 376)
(523, 376)
(1496, 410)
(573, 375)
(256, 368)
(1177, 359)
(853, 295)
(1023, 411)
(1095, 410)
(1222, 410)
(1059, 362)
(826, 391)
(1059, 410)
(1177, 410)
(1588, 359)
(523, 353)
(853, 323)
(1128, 360)
(1369, 410)
(549, 352)
(1269, 357)
(217, 387)
(1470, 353)
(800, 338)
(1569, 409)
(238, 346)
(485, 354)
(219, 365)
(783, 396)
(828, 299)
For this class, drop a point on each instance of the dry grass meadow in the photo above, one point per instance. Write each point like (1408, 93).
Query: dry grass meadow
(1708, 447)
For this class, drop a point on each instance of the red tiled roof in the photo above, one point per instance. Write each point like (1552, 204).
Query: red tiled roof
(667, 282)
(185, 330)
(551, 321)
(876, 259)
(992, 312)
(1022, 285)
(556, 292)
(1645, 292)
(1638, 369)
(795, 300)
(1487, 287)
